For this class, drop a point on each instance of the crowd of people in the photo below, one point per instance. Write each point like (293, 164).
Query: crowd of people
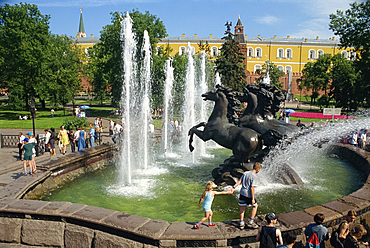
(347, 235)
(359, 138)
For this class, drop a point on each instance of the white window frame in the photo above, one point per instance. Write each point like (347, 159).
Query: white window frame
(280, 53)
(256, 67)
(250, 52)
(182, 50)
(214, 50)
(288, 69)
(258, 50)
(320, 52)
(311, 51)
(281, 68)
(345, 53)
(287, 53)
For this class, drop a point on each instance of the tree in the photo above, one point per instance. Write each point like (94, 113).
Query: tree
(316, 76)
(343, 80)
(274, 73)
(179, 63)
(353, 27)
(106, 62)
(33, 62)
(24, 40)
(230, 64)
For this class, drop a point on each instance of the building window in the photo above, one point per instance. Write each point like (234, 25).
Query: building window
(280, 53)
(289, 53)
(257, 67)
(182, 50)
(214, 52)
(345, 54)
(258, 52)
(311, 54)
(250, 52)
(320, 53)
(288, 69)
(280, 67)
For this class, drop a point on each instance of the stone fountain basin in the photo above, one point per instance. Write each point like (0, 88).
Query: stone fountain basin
(65, 224)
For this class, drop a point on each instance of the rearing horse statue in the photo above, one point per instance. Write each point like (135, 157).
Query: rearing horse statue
(244, 142)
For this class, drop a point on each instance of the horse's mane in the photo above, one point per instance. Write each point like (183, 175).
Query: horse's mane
(268, 101)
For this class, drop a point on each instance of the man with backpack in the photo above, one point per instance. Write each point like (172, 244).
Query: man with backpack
(269, 235)
(316, 233)
(339, 236)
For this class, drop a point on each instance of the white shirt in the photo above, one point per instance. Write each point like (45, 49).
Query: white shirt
(117, 129)
(21, 139)
(77, 135)
(47, 137)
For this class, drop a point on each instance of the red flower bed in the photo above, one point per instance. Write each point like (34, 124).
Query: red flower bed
(320, 116)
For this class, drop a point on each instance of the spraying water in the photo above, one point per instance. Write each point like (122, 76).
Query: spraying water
(189, 101)
(146, 116)
(168, 103)
(300, 152)
(203, 113)
(135, 104)
(217, 79)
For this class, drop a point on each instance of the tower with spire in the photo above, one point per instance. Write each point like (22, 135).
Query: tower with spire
(239, 31)
(81, 28)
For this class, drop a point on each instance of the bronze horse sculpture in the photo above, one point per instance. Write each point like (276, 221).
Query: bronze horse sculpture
(244, 142)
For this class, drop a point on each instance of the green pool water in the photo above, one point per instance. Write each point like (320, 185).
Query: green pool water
(171, 189)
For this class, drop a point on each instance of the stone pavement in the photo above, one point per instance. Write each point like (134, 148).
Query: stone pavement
(11, 168)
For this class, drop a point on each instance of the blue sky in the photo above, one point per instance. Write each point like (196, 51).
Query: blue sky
(296, 18)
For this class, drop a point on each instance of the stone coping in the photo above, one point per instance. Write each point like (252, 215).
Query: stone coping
(105, 224)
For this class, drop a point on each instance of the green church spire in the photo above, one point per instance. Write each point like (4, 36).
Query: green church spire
(81, 28)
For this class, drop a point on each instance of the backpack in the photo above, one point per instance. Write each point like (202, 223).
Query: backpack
(266, 240)
(313, 241)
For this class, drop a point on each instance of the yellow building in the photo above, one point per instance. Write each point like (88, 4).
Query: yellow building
(288, 54)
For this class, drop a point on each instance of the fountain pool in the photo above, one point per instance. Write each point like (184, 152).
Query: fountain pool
(170, 190)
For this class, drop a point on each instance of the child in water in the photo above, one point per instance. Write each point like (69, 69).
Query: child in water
(208, 196)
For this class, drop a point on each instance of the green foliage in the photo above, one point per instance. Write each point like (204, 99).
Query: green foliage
(315, 75)
(230, 64)
(72, 123)
(353, 27)
(179, 63)
(34, 63)
(323, 101)
(274, 74)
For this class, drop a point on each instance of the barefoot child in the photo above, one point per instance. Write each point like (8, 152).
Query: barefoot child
(208, 196)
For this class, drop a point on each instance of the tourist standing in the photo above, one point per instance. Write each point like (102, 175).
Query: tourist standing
(362, 139)
(354, 139)
(318, 229)
(71, 139)
(339, 236)
(52, 142)
(52, 113)
(27, 147)
(247, 195)
(47, 139)
(32, 140)
(111, 126)
(63, 138)
(208, 196)
(92, 132)
(82, 139)
(20, 143)
(269, 232)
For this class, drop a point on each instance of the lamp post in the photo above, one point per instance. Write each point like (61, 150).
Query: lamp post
(33, 114)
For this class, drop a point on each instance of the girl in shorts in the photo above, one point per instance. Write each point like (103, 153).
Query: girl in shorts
(208, 196)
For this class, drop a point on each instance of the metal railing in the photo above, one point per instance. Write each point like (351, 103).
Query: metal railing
(8, 140)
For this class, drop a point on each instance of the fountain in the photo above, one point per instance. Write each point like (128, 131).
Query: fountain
(167, 105)
(135, 104)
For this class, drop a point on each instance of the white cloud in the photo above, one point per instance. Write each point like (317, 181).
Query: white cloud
(268, 19)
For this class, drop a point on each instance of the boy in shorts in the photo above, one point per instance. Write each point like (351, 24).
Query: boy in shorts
(247, 197)
(27, 147)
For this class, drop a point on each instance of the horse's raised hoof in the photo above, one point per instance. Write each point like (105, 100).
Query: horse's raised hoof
(191, 148)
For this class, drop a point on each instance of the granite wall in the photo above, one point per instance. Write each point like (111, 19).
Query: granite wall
(65, 224)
